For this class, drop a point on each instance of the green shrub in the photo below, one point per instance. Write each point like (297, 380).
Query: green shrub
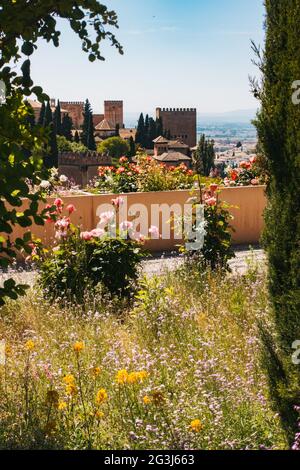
(82, 260)
(217, 249)
(79, 265)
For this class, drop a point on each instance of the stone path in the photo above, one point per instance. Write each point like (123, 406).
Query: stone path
(160, 265)
(239, 265)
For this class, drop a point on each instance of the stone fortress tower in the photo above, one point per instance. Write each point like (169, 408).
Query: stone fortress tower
(113, 113)
(181, 122)
(75, 111)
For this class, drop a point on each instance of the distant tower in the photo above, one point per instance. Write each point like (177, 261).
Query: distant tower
(113, 113)
(75, 111)
(181, 122)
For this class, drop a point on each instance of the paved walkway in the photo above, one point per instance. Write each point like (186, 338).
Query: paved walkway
(160, 265)
(239, 264)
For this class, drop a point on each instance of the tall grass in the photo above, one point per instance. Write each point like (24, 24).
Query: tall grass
(180, 369)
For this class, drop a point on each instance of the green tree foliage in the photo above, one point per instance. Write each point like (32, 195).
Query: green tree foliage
(278, 126)
(114, 146)
(147, 131)
(42, 115)
(67, 126)
(64, 145)
(51, 154)
(159, 127)
(140, 132)
(87, 136)
(204, 156)
(57, 121)
(23, 24)
(76, 137)
(132, 149)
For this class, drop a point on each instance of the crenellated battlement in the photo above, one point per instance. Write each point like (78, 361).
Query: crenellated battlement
(112, 102)
(178, 110)
(180, 123)
(84, 159)
(72, 103)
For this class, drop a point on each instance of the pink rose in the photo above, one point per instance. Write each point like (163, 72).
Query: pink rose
(126, 225)
(97, 233)
(119, 201)
(214, 187)
(86, 236)
(58, 202)
(106, 217)
(212, 201)
(71, 208)
(153, 230)
(255, 182)
(138, 237)
(120, 170)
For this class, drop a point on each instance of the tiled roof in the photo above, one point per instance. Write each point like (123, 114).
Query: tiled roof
(127, 133)
(172, 157)
(105, 125)
(177, 144)
(160, 140)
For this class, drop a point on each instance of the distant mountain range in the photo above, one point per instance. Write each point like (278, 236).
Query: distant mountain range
(238, 116)
(244, 116)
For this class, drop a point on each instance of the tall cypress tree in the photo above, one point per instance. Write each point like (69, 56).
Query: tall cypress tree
(278, 126)
(151, 133)
(159, 127)
(57, 119)
(67, 126)
(146, 132)
(51, 158)
(132, 150)
(87, 136)
(76, 137)
(204, 156)
(140, 132)
(42, 115)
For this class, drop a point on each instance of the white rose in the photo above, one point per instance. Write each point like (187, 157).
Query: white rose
(44, 184)
(63, 179)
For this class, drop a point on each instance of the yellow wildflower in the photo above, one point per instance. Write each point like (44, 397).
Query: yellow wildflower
(71, 389)
(101, 396)
(29, 345)
(142, 375)
(122, 377)
(147, 400)
(99, 414)
(95, 371)
(78, 346)
(62, 405)
(196, 425)
(69, 379)
(133, 377)
(8, 349)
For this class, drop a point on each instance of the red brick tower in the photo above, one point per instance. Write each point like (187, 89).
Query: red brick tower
(75, 111)
(181, 122)
(113, 112)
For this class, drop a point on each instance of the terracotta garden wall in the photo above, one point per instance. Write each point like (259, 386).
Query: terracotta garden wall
(249, 203)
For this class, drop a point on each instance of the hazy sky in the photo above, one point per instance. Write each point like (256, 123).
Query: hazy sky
(178, 53)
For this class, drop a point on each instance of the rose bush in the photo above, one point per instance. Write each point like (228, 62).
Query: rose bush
(82, 260)
(143, 176)
(248, 173)
(217, 249)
